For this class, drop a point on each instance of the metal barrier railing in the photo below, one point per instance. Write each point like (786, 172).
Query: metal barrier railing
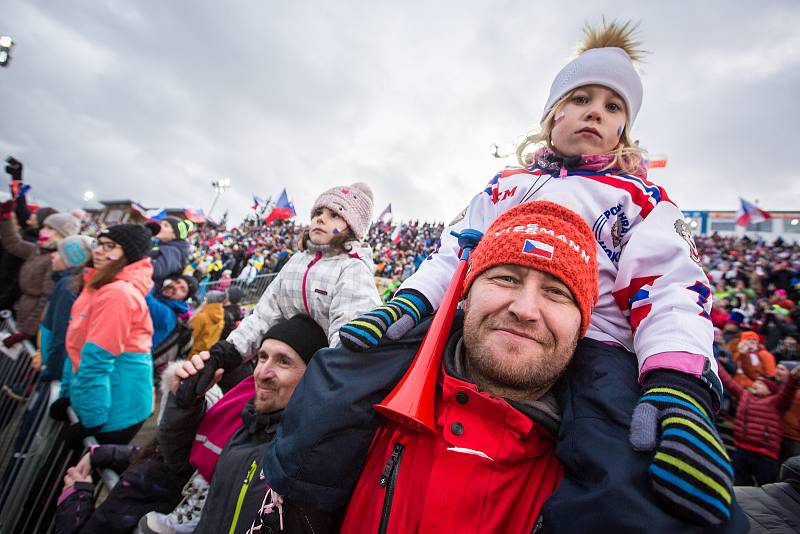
(32, 456)
(250, 292)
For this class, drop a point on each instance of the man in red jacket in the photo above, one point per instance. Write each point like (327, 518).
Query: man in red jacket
(491, 462)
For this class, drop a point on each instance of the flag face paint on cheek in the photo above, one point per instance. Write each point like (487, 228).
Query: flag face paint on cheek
(336, 231)
(560, 116)
(619, 131)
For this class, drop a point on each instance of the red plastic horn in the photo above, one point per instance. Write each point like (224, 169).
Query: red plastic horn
(411, 402)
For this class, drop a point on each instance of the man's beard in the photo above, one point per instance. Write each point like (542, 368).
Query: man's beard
(520, 371)
(267, 405)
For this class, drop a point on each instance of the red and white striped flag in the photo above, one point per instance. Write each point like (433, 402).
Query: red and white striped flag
(658, 161)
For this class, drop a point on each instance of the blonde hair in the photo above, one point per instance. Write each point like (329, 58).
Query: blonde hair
(627, 155)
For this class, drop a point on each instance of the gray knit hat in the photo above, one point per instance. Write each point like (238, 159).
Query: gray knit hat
(214, 297)
(610, 67)
(63, 223)
(75, 250)
(353, 203)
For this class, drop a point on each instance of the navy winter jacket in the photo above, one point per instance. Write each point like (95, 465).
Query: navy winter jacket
(53, 329)
(168, 257)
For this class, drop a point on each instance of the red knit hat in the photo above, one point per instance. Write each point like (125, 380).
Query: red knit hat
(546, 237)
(749, 335)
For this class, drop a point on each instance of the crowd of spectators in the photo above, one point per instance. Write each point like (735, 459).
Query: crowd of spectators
(199, 275)
(755, 313)
(249, 250)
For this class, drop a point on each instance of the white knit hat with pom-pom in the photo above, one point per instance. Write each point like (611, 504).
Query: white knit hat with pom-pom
(353, 203)
(607, 57)
(610, 67)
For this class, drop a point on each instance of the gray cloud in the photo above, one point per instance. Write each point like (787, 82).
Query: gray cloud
(153, 100)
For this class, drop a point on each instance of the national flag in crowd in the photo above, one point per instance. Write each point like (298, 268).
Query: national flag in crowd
(283, 209)
(257, 202)
(149, 214)
(749, 213)
(197, 216)
(396, 235)
(386, 215)
(658, 161)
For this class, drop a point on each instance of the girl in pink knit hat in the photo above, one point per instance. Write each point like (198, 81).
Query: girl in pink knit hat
(329, 279)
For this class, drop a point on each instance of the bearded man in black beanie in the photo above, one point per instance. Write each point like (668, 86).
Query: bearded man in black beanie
(281, 362)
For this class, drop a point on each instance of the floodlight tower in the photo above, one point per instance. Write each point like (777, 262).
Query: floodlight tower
(220, 186)
(6, 43)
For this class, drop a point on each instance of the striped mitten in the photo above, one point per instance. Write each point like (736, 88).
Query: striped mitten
(393, 319)
(690, 471)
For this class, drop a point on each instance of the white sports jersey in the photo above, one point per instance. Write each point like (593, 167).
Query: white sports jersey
(654, 296)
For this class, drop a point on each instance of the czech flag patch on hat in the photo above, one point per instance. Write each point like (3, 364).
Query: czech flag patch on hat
(537, 248)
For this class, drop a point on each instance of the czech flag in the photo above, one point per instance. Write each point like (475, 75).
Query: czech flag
(196, 216)
(659, 161)
(283, 209)
(750, 213)
(386, 214)
(257, 202)
(152, 214)
(396, 235)
(537, 248)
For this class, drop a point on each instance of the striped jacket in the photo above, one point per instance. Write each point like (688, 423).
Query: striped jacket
(331, 288)
(650, 279)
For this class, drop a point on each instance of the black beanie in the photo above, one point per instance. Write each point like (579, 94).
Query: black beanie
(234, 295)
(154, 227)
(301, 333)
(133, 238)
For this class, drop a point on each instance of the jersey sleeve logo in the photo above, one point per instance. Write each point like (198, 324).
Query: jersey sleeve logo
(685, 232)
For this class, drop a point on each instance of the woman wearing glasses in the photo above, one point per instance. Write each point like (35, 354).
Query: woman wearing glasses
(109, 376)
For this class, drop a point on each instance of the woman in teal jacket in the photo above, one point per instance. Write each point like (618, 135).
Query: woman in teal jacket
(110, 371)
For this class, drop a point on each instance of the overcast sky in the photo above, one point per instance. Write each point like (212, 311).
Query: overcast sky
(152, 100)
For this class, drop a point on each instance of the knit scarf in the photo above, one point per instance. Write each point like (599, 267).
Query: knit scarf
(546, 159)
(313, 248)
